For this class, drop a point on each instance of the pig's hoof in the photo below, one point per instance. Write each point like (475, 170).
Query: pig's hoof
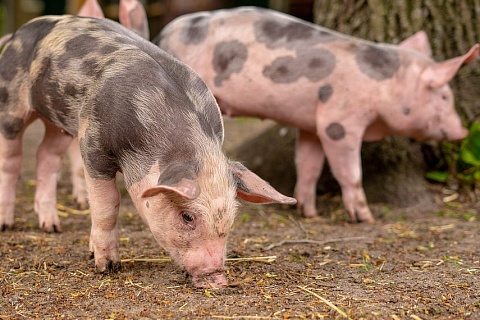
(6, 226)
(109, 267)
(54, 228)
(310, 214)
(307, 213)
(81, 203)
(367, 218)
(113, 267)
(210, 281)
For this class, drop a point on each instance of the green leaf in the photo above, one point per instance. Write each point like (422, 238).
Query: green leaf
(467, 156)
(438, 176)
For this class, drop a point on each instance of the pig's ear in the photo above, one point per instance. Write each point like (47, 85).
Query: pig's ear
(439, 74)
(180, 178)
(252, 188)
(133, 16)
(187, 189)
(418, 42)
(91, 9)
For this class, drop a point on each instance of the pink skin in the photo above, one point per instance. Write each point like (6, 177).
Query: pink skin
(415, 102)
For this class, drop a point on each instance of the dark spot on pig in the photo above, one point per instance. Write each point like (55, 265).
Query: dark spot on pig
(319, 63)
(73, 91)
(91, 68)
(98, 163)
(196, 32)
(31, 34)
(211, 126)
(378, 63)
(8, 65)
(237, 168)
(325, 92)
(43, 87)
(335, 131)
(107, 49)
(10, 126)
(312, 63)
(3, 95)
(208, 115)
(70, 90)
(48, 99)
(78, 48)
(240, 184)
(406, 111)
(147, 204)
(177, 171)
(228, 58)
(282, 70)
(276, 33)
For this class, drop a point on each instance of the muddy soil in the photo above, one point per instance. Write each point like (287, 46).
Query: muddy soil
(414, 263)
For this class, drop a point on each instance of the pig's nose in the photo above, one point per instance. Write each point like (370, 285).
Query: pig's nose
(459, 135)
(216, 279)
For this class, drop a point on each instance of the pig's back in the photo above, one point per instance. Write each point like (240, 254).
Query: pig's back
(257, 62)
(140, 104)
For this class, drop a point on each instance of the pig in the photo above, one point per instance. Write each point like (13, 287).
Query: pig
(138, 111)
(336, 89)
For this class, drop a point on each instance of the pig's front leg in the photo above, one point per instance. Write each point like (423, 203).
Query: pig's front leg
(10, 164)
(342, 143)
(104, 199)
(309, 161)
(49, 160)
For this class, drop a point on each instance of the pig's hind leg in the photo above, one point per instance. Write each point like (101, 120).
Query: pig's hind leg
(10, 164)
(309, 161)
(49, 160)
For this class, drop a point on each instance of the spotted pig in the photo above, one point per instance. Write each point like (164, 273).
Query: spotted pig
(136, 110)
(337, 90)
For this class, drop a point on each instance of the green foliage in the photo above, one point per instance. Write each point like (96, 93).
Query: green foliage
(463, 160)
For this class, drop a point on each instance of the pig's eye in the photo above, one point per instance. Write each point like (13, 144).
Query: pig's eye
(444, 97)
(187, 217)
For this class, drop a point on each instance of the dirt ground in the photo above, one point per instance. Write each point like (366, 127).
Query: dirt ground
(412, 264)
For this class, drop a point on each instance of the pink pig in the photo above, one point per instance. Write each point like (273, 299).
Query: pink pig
(337, 90)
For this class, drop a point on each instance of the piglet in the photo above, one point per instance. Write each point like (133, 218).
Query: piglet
(135, 110)
(337, 90)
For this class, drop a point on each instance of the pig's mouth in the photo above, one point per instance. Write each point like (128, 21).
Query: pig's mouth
(212, 279)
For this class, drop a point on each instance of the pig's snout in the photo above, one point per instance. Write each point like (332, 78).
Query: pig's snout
(459, 134)
(215, 279)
